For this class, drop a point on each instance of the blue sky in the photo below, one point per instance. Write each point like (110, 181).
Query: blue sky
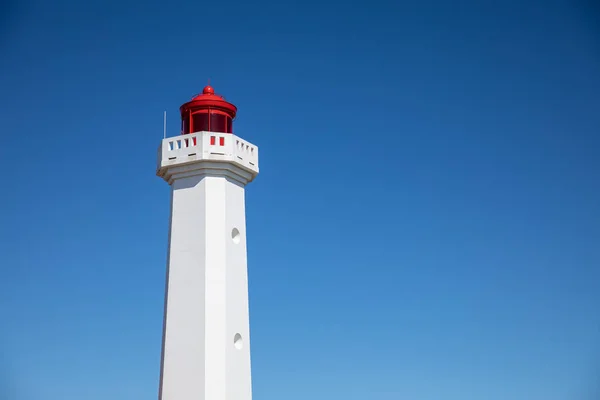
(426, 223)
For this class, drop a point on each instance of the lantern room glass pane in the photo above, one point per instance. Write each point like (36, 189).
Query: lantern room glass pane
(229, 125)
(185, 125)
(218, 123)
(200, 122)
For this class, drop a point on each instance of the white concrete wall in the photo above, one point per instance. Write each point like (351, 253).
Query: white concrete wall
(207, 292)
(237, 354)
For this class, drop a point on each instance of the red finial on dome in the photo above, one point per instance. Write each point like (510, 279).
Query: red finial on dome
(208, 90)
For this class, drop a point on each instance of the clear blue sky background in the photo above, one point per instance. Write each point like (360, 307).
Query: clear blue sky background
(426, 224)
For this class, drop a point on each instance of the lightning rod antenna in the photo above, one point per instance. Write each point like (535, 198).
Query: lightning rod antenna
(165, 125)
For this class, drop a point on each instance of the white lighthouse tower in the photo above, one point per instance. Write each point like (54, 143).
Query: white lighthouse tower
(206, 335)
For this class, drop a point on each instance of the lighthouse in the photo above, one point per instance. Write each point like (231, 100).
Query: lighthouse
(206, 334)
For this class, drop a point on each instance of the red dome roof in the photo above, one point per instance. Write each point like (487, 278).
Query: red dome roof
(208, 99)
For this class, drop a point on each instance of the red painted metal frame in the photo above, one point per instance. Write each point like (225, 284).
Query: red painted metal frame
(207, 103)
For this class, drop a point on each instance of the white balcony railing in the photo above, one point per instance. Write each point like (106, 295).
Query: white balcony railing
(210, 146)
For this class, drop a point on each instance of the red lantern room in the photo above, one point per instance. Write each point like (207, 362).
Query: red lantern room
(207, 112)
